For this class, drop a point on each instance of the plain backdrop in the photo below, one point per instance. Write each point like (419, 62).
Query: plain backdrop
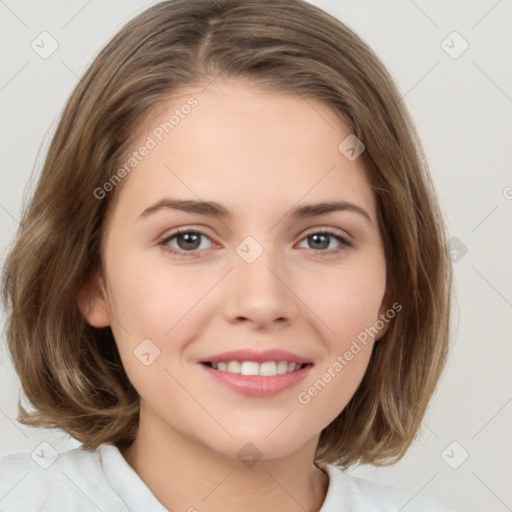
(452, 62)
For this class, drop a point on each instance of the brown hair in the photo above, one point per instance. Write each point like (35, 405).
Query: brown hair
(70, 371)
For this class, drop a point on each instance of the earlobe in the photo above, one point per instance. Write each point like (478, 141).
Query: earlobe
(382, 318)
(92, 302)
(382, 321)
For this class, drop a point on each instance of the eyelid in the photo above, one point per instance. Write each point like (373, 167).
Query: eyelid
(328, 229)
(184, 229)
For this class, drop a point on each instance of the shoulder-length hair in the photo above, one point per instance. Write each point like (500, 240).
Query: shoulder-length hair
(70, 371)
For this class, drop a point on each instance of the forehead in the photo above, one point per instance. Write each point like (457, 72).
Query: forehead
(244, 147)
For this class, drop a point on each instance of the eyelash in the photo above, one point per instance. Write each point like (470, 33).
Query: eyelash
(343, 241)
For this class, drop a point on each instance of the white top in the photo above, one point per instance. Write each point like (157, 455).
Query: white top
(81, 481)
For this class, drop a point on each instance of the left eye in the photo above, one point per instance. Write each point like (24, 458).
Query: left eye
(322, 239)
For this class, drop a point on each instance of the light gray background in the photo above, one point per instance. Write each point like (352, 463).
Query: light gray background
(463, 110)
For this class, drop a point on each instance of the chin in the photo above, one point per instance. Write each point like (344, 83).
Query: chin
(255, 444)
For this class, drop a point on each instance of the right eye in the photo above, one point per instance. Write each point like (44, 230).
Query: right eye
(184, 242)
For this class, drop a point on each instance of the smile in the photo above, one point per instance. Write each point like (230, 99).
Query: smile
(265, 369)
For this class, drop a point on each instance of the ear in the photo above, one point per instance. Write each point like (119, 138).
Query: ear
(92, 302)
(383, 317)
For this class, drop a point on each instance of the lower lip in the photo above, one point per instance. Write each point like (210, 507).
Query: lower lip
(256, 385)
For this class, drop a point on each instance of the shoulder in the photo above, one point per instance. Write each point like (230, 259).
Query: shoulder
(48, 481)
(359, 494)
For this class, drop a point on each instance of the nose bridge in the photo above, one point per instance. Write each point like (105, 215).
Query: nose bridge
(257, 286)
(259, 271)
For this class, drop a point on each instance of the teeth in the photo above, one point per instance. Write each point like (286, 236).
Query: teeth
(233, 367)
(249, 368)
(266, 369)
(282, 367)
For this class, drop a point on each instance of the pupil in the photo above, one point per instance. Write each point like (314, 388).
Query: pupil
(190, 239)
(324, 244)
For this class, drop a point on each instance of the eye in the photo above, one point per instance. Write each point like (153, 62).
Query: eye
(321, 240)
(188, 242)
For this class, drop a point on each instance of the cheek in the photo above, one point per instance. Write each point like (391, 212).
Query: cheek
(347, 301)
(348, 308)
(152, 298)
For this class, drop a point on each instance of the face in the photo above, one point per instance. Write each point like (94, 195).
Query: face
(259, 281)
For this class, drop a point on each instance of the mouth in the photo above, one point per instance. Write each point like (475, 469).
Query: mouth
(257, 374)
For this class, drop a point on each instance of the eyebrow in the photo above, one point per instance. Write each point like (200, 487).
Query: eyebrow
(214, 209)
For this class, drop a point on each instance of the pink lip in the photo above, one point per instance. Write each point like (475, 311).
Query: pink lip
(256, 385)
(256, 356)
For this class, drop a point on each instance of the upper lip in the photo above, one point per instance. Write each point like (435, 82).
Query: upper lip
(256, 356)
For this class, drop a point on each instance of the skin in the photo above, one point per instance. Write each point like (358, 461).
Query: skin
(259, 154)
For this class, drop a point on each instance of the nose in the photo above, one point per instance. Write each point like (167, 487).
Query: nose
(261, 293)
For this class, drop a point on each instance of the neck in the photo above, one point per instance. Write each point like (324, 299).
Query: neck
(186, 475)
